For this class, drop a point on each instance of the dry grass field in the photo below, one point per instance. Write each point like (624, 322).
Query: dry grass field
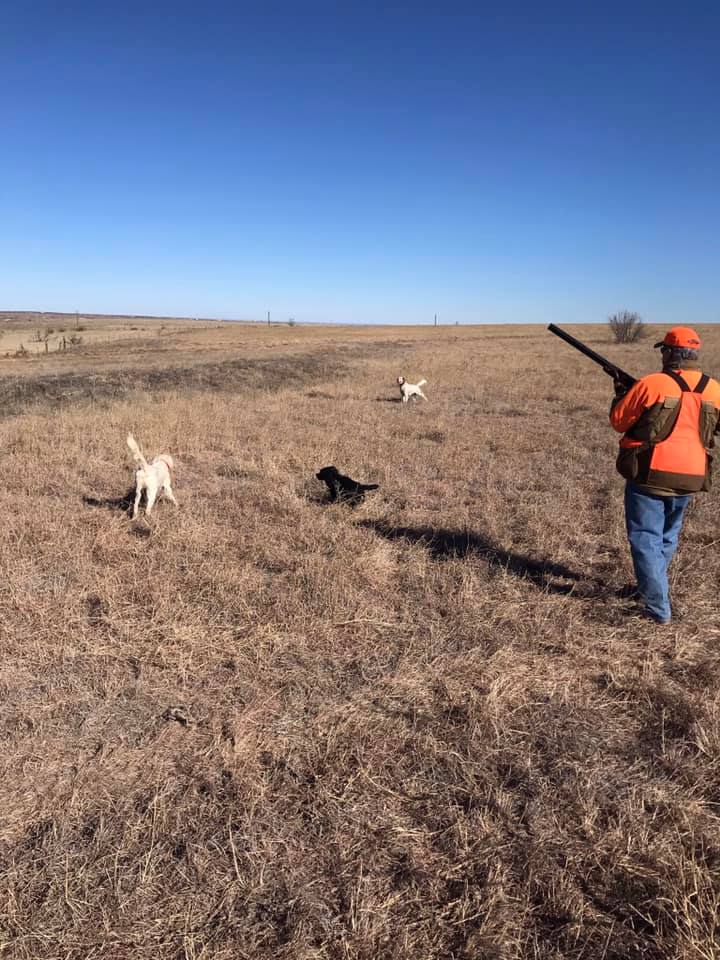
(266, 728)
(31, 334)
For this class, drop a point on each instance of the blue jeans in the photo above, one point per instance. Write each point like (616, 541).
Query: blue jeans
(653, 528)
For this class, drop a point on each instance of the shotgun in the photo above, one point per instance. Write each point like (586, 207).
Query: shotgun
(618, 375)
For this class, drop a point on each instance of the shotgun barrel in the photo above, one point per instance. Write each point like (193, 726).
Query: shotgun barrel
(621, 376)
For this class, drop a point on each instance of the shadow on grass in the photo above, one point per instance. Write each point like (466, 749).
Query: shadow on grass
(388, 400)
(123, 504)
(318, 498)
(443, 544)
(319, 395)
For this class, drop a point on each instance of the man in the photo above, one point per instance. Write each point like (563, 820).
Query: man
(669, 420)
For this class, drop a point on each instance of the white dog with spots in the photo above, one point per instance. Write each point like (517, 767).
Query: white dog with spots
(153, 478)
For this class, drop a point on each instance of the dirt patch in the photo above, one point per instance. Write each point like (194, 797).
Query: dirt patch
(18, 394)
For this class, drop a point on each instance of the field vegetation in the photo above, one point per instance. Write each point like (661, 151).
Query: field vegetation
(265, 728)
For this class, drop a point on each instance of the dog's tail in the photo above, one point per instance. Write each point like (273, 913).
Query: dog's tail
(421, 383)
(370, 486)
(136, 452)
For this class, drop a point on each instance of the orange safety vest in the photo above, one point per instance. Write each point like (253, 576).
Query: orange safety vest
(668, 446)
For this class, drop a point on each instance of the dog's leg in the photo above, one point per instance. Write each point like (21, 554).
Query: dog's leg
(138, 494)
(422, 394)
(152, 492)
(167, 490)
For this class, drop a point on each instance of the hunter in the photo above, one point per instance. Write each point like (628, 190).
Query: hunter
(668, 421)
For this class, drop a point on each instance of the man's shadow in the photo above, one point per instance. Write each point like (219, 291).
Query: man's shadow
(443, 544)
(122, 504)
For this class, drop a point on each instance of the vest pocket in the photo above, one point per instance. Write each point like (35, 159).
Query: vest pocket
(708, 472)
(657, 422)
(626, 463)
(708, 423)
(664, 420)
(633, 463)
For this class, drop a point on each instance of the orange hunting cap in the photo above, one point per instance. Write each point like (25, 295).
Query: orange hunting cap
(680, 337)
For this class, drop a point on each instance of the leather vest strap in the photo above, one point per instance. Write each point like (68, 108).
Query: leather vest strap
(701, 384)
(678, 380)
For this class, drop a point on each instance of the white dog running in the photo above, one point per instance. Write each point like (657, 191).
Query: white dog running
(153, 478)
(408, 390)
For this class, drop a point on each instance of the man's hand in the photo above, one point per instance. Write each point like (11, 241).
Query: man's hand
(620, 389)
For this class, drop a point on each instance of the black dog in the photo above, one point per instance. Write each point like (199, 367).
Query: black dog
(344, 488)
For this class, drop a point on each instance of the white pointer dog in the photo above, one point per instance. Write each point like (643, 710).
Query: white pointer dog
(408, 390)
(153, 478)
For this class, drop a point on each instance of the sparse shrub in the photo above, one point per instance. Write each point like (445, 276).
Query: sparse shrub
(74, 340)
(40, 336)
(626, 327)
(43, 336)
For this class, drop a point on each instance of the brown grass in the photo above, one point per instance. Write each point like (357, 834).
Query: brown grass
(270, 728)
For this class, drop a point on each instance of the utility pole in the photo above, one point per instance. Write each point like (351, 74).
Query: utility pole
(268, 318)
(435, 324)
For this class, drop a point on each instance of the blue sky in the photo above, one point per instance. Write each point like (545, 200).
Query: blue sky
(361, 161)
